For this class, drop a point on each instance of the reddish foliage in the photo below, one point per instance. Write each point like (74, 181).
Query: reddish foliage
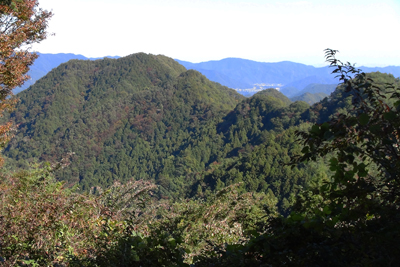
(22, 23)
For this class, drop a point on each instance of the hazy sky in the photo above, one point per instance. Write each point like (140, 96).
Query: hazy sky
(365, 32)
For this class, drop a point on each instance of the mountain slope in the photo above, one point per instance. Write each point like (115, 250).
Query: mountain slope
(309, 97)
(44, 64)
(111, 113)
(314, 88)
(274, 93)
(147, 117)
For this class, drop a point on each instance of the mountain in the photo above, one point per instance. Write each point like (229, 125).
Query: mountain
(309, 98)
(289, 91)
(314, 88)
(302, 84)
(45, 63)
(252, 72)
(276, 94)
(290, 77)
(147, 117)
(224, 168)
(394, 70)
(123, 117)
(231, 72)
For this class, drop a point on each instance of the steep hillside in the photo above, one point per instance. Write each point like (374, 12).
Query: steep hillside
(274, 93)
(261, 134)
(44, 64)
(147, 117)
(122, 117)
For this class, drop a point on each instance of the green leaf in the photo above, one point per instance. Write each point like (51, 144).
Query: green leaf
(327, 210)
(172, 241)
(390, 116)
(375, 128)
(328, 135)
(325, 187)
(315, 129)
(296, 217)
(305, 149)
(325, 126)
(333, 164)
(363, 118)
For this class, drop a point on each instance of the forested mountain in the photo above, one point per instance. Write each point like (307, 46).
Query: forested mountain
(231, 72)
(123, 118)
(147, 117)
(45, 63)
(223, 166)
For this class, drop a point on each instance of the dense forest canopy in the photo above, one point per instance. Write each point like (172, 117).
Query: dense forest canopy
(146, 117)
(174, 169)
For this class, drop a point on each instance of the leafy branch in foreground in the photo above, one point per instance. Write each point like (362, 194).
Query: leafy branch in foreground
(22, 23)
(352, 219)
(366, 137)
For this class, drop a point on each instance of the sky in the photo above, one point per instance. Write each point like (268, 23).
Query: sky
(365, 32)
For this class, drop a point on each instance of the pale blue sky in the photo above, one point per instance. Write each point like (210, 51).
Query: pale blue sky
(365, 32)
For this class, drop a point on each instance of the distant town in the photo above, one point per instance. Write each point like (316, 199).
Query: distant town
(259, 87)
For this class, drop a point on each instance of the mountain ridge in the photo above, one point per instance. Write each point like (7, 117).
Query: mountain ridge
(46, 62)
(247, 76)
(283, 71)
(115, 110)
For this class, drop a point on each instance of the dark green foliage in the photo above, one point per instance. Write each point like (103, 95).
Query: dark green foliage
(351, 219)
(44, 64)
(123, 118)
(262, 169)
(145, 117)
(275, 93)
(258, 197)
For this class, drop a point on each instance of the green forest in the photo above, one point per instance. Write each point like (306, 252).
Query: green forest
(137, 161)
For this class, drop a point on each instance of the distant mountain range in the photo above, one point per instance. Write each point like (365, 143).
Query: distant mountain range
(250, 73)
(290, 77)
(246, 76)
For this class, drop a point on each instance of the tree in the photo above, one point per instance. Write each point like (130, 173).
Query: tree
(360, 205)
(352, 219)
(22, 23)
(366, 138)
